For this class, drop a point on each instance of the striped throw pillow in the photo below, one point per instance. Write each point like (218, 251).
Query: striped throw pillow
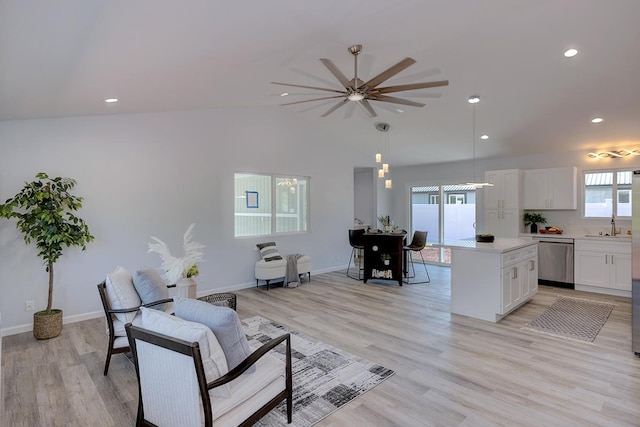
(268, 251)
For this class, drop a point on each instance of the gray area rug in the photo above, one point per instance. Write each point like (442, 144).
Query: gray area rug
(324, 377)
(572, 318)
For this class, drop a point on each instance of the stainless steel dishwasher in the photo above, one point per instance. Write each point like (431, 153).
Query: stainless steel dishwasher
(555, 261)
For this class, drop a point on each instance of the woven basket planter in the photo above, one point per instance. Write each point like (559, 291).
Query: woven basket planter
(47, 324)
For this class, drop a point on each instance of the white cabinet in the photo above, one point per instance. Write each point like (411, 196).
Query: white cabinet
(505, 193)
(519, 277)
(488, 283)
(529, 277)
(503, 223)
(502, 203)
(603, 264)
(554, 188)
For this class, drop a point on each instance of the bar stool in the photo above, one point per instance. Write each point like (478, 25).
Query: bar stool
(417, 244)
(357, 248)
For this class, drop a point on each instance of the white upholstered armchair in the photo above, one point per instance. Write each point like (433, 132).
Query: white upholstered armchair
(121, 302)
(183, 379)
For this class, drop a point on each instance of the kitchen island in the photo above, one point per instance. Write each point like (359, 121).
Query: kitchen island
(490, 280)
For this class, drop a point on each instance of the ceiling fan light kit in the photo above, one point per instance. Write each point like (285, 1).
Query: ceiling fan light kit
(356, 90)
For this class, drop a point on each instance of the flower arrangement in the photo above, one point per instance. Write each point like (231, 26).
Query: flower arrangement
(385, 220)
(179, 268)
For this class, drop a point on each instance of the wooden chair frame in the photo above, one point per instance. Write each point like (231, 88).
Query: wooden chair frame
(193, 350)
(109, 312)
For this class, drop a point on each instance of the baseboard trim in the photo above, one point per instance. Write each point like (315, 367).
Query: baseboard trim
(92, 315)
(65, 320)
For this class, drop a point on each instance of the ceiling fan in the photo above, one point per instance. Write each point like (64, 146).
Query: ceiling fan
(355, 90)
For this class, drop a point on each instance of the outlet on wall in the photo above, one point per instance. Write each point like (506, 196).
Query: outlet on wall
(28, 305)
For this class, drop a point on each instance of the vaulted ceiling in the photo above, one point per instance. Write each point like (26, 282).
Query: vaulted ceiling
(63, 58)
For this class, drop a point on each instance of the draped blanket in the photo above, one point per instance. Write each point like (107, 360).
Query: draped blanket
(291, 278)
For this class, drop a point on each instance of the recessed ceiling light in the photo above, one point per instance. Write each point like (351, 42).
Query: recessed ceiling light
(110, 100)
(484, 137)
(570, 53)
(284, 94)
(473, 99)
(597, 120)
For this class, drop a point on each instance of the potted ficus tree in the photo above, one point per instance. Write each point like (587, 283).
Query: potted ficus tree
(44, 212)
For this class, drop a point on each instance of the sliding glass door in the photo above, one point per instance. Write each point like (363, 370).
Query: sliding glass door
(446, 212)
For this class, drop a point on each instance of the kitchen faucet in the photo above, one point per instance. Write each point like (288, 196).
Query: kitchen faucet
(613, 225)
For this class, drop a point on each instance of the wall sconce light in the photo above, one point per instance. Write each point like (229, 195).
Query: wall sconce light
(614, 154)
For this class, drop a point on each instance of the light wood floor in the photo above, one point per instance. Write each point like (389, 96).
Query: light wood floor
(450, 370)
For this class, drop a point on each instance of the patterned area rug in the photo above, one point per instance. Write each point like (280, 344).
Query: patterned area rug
(324, 377)
(572, 318)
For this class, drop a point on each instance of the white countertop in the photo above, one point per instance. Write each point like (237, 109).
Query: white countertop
(499, 245)
(618, 238)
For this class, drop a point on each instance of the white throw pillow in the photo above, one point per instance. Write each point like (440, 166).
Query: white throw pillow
(225, 324)
(122, 294)
(150, 287)
(213, 359)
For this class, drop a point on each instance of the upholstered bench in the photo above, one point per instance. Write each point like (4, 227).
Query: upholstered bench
(277, 268)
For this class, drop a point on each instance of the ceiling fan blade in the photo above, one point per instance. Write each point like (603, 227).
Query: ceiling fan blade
(393, 99)
(308, 87)
(392, 108)
(367, 107)
(418, 76)
(331, 83)
(335, 107)
(314, 99)
(316, 106)
(336, 72)
(411, 86)
(423, 95)
(390, 72)
(348, 112)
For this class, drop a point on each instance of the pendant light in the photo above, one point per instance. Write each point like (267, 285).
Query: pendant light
(382, 127)
(473, 100)
(384, 171)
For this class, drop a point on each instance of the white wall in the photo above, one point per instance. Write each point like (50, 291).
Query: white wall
(365, 195)
(154, 174)
(451, 173)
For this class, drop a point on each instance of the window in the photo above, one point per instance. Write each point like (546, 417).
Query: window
(270, 204)
(452, 220)
(457, 199)
(599, 190)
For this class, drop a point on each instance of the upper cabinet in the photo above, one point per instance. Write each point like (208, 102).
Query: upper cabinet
(503, 215)
(505, 193)
(554, 188)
